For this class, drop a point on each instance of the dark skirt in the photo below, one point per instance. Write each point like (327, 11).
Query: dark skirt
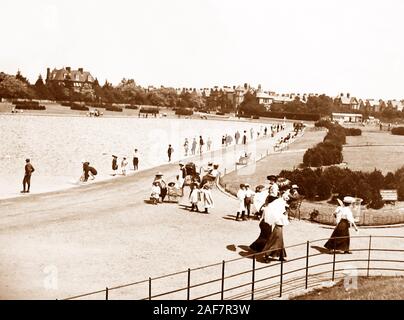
(259, 244)
(275, 246)
(341, 230)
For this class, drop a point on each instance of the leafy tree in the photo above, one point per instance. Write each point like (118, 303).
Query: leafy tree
(250, 105)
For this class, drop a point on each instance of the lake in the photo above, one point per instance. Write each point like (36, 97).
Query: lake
(57, 145)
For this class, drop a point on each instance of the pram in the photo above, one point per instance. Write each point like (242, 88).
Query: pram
(173, 192)
(192, 175)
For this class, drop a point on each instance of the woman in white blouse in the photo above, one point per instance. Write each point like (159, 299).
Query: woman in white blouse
(339, 239)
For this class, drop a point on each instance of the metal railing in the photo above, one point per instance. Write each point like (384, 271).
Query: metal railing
(245, 279)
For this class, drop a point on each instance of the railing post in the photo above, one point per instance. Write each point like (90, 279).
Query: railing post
(281, 280)
(370, 248)
(222, 290)
(189, 283)
(149, 288)
(106, 293)
(253, 279)
(333, 260)
(307, 264)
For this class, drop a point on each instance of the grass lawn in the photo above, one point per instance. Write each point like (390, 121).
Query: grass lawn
(374, 288)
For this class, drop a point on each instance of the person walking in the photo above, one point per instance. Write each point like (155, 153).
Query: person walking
(124, 164)
(186, 146)
(193, 148)
(26, 182)
(252, 133)
(265, 131)
(194, 196)
(223, 141)
(206, 197)
(241, 199)
(201, 143)
(135, 160)
(181, 177)
(114, 165)
(249, 196)
(275, 215)
(170, 151)
(237, 136)
(209, 144)
(340, 240)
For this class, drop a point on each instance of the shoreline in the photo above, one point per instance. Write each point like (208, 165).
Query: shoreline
(108, 178)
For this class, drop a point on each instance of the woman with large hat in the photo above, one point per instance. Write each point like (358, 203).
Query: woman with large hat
(339, 239)
(162, 184)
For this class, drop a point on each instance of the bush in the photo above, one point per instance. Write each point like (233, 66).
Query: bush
(353, 132)
(376, 202)
(28, 105)
(398, 131)
(184, 112)
(113, 108)
(133, 107)
(323, 189)
(149, 110)
(79, 107)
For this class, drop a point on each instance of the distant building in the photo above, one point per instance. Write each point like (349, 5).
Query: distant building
(347, 117)
(347, 101)
(395, 104)
(68, 77)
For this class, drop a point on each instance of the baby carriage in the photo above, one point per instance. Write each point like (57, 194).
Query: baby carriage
(173, 192)
(191, 173)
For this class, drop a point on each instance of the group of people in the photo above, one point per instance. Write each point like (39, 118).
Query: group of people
(194, 147)
(200, 189)
(279, 196)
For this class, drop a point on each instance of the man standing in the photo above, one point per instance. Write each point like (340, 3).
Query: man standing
(29, 169)
(245, 137)
(170, 152)
(135, 160)
(201, 143)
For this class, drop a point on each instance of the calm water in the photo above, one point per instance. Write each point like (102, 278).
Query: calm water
(57, 145)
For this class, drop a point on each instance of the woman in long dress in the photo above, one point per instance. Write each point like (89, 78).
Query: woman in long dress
(162, 184)
(206, 197)
(275, 215)
(265, 227)
(339, 239)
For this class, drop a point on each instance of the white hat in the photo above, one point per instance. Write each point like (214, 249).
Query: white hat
(349, 199)
(295, 186)
(181, 163)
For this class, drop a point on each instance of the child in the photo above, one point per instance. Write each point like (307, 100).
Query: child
(155, 193)
(249, 196)
(241, 199)
(124, 163)
(194, 197)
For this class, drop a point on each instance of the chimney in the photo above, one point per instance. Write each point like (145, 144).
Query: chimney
(81, 70)
(68, 69)
(47, 74)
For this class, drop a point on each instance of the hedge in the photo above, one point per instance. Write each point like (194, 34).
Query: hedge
(133, 107)
(32, 107)
(320, 184)
(329, 151)
(149, 110)
(113, 108)
(28, 105)
(398, 131)
(184, 112)
(79, 107)
(353, 132)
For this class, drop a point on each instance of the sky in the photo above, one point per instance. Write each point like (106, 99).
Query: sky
(288, 46)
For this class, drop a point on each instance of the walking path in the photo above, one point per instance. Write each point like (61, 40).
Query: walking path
(104, 234)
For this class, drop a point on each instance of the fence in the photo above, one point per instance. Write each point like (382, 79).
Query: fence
(249, 278)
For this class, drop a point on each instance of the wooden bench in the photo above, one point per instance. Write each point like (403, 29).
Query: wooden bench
(389, 195)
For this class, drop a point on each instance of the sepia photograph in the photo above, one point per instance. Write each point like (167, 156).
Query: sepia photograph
(210, 150)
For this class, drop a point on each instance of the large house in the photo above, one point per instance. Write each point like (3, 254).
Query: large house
(347, 101)
(68, 77)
